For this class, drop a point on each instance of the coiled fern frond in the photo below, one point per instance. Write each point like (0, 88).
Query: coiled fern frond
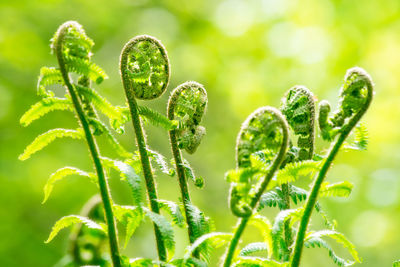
(144, 66)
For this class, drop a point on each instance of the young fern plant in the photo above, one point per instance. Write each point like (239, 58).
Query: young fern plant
(355, 97)
(145, 73)
(72, 48)
(187, 105)
(263, 139)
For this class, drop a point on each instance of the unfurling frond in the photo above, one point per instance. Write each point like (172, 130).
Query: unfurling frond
(62, 173)
(161, 162)
(70, 220)
(144, 67)
(360, 138)
(43, 107)
(86, 68)
(187, 105)
(46, 138)
(264, 135)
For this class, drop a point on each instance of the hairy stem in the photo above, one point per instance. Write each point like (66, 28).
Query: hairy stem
(183, 186)
(144, 157)
(287, 229)
(243, 221)
(103, 185)
(313, 196)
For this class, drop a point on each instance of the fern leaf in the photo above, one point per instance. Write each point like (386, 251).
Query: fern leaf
(279, 223)
(340, 189)
(265, 227)
(62, 173)
(156, 118)
(297, 194)
(189, 173)
(339, 238)
(215, 239)
(85, 67)
(294, 171)
(43, 107)
(257, 261)
(360, 138)
(320, 243)
(173, 210)
(130, 217)
(46, 138)
(166, 230)
(48, 76)
(271, 199)
(253, 248)
(128, 174)
(70, 220)
(201, 225)
(101, 103)
(396, 263)
(160, 162)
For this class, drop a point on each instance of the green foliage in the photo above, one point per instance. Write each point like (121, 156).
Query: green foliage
(130, 217)
(43, 107)
(157, 119)
(46, 138)
(296, 170)
(70, 220)
(215, 240)
(396, 263)
(253, 248)
(61, 174)
(265, 228)
(174, 210)
(166, 230)
(315, 240)
(340, 189)
(257, 261)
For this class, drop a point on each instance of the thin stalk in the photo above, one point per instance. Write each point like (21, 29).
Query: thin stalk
(276, 164)
(312, 198)
(103, 185)
(147, 172)
(288, 238)
(183, 186)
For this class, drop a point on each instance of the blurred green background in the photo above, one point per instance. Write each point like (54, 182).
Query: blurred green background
(247, 53)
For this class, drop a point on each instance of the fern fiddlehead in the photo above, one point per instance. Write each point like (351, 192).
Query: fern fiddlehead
(298, 106)
(263, 134)
(355, 97)
(145, 72)
(72, 48)
(186, 104)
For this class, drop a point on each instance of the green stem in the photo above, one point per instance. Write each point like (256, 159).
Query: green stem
(277, 162)
(287, 229)
(312, 198)
(183, 186)
(103, 185)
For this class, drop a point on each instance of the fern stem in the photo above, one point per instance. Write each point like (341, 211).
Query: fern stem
(275, 166)
(103, 185)
(313, 196)
(141, 143)
(183, 186)
(287, 229)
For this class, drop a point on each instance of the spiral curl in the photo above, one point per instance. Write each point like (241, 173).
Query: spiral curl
(264, 134)
(145, 68)
(187, 104)
(298, 106)
(354, 96)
